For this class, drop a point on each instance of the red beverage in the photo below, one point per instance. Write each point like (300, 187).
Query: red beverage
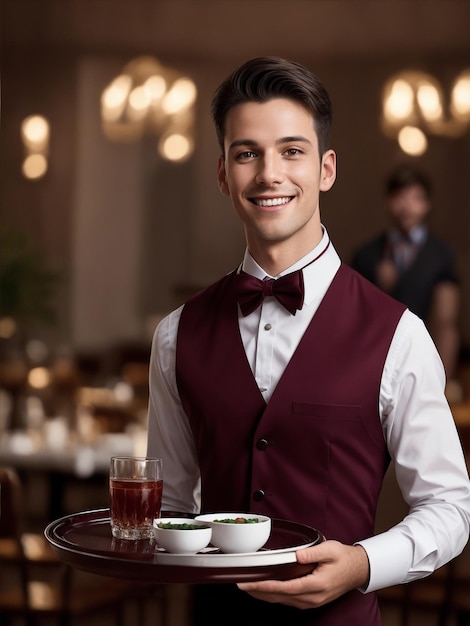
(135, 503)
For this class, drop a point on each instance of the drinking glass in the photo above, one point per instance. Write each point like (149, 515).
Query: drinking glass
(136, 485)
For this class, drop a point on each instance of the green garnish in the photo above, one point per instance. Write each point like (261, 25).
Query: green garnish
(184, 526)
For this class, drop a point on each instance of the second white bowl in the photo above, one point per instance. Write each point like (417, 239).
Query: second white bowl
(233, 537)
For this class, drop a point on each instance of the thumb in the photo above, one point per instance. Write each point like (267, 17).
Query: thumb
(325, 551)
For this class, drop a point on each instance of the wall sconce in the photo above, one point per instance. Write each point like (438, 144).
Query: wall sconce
(150, 98)
(414, 106)
(35, 131)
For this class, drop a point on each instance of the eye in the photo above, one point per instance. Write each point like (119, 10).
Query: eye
(292, 152)
(245, 156)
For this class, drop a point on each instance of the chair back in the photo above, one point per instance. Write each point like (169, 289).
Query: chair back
(10, 504)
(11, 547)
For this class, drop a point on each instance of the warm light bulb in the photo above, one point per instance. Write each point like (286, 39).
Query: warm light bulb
(114, 98)
(429, 100)
(34, 166)
(155, 87)
(412, 141)
(139, 99)
(399, 102)
(181, 96)
(175, 147)
(460, 99)
(35, 132)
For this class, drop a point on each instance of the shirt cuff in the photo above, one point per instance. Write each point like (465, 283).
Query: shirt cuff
(390, 556)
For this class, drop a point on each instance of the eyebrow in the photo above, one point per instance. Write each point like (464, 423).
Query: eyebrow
(252, 143)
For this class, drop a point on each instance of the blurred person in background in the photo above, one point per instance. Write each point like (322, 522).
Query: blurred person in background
(413, 264)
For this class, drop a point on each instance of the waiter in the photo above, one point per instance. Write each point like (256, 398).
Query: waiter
(286, 387)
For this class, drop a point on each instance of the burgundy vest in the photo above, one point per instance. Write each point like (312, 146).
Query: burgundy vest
(316, 452)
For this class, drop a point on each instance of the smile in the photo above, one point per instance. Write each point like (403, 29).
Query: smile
(272, 201)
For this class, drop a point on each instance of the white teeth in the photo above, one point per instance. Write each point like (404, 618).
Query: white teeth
(272, 201)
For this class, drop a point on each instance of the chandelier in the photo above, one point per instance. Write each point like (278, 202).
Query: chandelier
(414, 106)
(148, 97)
(35, 132)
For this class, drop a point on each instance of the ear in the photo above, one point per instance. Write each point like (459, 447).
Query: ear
(328, 170)
(222, 177)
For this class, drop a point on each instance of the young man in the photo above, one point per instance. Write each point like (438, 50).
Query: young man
(413, 265)
(294, 409)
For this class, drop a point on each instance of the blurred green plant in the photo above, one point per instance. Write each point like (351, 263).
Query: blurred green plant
(27, 283)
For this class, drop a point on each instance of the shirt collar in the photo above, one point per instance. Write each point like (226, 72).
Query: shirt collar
(416, 235)
(317, 275)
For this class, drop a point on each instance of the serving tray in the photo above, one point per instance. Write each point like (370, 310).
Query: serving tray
(84, 540)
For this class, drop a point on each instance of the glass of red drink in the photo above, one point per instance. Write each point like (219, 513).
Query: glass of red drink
(135, 485)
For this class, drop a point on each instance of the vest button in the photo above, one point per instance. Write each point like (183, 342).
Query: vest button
(258, 495)
(262, 444)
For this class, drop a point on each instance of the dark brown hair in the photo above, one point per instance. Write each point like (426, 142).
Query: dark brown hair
(264, 78)
(404, 176)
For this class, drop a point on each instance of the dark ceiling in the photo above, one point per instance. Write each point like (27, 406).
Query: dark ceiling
(231, 29)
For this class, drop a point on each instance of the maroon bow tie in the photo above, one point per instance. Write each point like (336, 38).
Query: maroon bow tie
(288, 289)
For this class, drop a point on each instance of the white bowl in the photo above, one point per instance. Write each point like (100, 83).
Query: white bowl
(182, 541)
(233, 537)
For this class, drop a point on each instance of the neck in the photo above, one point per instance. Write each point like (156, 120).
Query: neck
(275, 259)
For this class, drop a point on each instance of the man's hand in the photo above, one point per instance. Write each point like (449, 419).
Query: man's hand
(387, 275)
(339, 569)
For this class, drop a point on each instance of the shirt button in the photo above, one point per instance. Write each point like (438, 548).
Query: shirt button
(267, 327)
(262, 444)
(259, 495)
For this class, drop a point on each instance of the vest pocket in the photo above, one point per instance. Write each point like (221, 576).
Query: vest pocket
(337, 422)
(327, 411)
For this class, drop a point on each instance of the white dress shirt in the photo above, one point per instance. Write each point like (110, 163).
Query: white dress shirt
(417, 424)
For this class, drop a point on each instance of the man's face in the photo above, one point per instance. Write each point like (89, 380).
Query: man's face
(408, 207)
(272, 172)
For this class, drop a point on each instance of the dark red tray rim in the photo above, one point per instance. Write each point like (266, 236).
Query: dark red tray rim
(142, 566)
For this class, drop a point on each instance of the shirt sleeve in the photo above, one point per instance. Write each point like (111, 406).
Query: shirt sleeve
(169, 432)
(429, 463)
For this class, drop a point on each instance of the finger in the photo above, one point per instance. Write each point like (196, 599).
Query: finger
(326, 551)
(290, 587)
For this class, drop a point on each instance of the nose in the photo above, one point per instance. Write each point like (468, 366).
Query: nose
(270, 171)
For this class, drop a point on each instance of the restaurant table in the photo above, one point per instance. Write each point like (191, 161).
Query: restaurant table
(62, 466)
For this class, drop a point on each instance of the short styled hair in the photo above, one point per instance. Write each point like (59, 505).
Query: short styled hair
(404, 176)
(263, 78)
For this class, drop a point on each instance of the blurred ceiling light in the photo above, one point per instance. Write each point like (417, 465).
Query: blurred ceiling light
(414, 106)
(460, 98)
(139, 99)
(412, 141)
(150, 98)
(114, 97)
(398, 101)
(155, 86)
(34, 166)
(430, 101)
(175, 147)
(35, 132)
(181, 96)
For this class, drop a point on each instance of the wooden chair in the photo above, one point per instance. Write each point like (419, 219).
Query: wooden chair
(35, 586)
